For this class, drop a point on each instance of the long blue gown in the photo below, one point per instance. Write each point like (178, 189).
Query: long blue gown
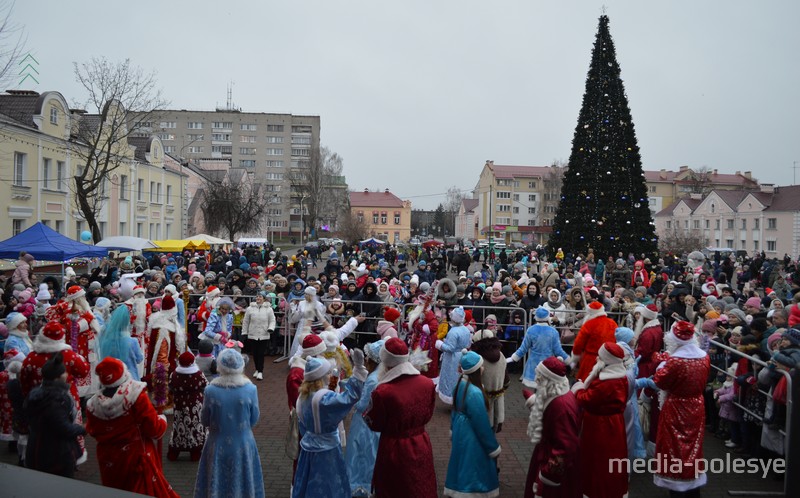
(321, 470)
(472, 469)
(230, 465)
(458, 338)
(362, 443)
(540, 342)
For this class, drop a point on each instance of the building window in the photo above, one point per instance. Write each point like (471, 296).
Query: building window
(756, 224)
(531, 197)
(515, 210)
(532, 210)
(274, 176)
(744, 224)
(729, 224)
(274, 164)
(194, 149)
(195, 125)
(169, 196)
(221, 137)
(531, 184)
(192, 137)
(122, 227)
(301, 152)
(374, 217)
(167, 230)
(247, 127)
(222, 149)
(771, 246)
(169, 124)
(53, 115)
(60, 175)
(516, 197)
(383, 218)
(503, 195)
(668, 224)
(247, 163)
(274, 127)
(223, 125)
(165, 136)
(20, 161)
(123, 187)
(159, 199)
(301, 140)
(140, 230)
(60, 226)
(17, 226)
(247, 151)
(696, 224)
(274, 140)
(708, 224)
(78, 229)
(652, 189)
(729, 243)
(300, 164)
(274, 152)
(716, 225)
(247, 139)
(396, 217)
(46, 163)
(772, 224)
(152, 191)
(755, 245)
(503, 221)
(169, 149)
(504, 207)
(139, 191)
(744, 244)
(360, 216)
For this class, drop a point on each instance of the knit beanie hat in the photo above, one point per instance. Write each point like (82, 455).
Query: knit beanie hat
(542, 314)
(470, 361)
(623, 334)
(316, 369)
(230, 362)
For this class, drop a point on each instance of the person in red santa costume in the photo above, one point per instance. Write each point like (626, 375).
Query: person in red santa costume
(140, 313)
(167, 341)
(208, 305)
(50, 341)
(681, 423)
(402, 404)
(81, 328)
(554, 428)
(422, 334)
(125, 424)
(649, 344)
(603, 438)
(595, 331)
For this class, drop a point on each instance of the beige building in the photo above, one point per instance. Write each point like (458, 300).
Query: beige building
(516, 203)
(466, 222)
(665, 186)
(387, 216)
(143, 197)
(268, 145)
(766, 220)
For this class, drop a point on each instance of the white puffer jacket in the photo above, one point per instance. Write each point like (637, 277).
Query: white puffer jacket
(258, 321)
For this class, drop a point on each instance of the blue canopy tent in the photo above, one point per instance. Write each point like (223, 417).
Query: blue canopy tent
(371, 242)
(45, 244)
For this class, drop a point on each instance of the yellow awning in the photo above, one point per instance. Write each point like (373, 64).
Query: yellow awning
(177, 245)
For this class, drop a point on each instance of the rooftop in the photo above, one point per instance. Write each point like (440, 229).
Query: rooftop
(375, 199)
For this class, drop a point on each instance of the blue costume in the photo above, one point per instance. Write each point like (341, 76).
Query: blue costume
(362, 443)
(18, 343)
(472, 469)
(214, 327)
(321, 470)
(230, 465)
(458, 338)
(541, 342)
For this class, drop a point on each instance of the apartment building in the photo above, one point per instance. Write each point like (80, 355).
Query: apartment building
(516, 203)
(142, 197)
(766, 220)
(270, 146)
(386, 216)
(666, 186)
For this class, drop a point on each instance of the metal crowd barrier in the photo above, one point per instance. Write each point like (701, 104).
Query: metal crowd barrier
(786, 432)
(571, 321)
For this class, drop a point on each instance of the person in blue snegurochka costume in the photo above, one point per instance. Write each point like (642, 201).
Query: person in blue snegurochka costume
(230, 464)
(220, 324)
(362, 442)
(472, 470)
(633, 428)
(541, 341)
(457, 339)
(18, 337)
(321, 469)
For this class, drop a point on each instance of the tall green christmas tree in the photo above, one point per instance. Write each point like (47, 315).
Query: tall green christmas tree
(604, 203)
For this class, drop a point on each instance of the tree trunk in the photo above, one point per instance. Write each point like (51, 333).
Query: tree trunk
(88, 213)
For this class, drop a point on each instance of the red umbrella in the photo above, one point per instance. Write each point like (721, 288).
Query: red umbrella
(432, 243)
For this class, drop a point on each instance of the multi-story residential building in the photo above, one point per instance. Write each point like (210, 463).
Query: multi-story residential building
(386, 216)
(142, 197)
(664, 186)
(766, 220)
(466, 224)
(517, 203)
(269, 145)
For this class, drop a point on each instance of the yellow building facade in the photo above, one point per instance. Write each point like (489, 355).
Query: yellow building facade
(385, 215)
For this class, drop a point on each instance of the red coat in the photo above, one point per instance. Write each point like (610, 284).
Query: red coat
(404, 464)
(6, 411)
(293, 381)
(794, 315)
(125, 426)
(31, 374)
(556, 455)
(651, 341)
(426, 341)
(681, 423)
(603, 438)
(593, 334)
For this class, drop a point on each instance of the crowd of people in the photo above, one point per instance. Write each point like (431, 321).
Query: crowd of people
(622, 358)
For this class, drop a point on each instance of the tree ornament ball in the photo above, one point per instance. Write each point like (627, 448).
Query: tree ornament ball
(637, 205)
(86, 235)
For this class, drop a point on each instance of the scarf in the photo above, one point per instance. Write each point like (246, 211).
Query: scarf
(497, 299)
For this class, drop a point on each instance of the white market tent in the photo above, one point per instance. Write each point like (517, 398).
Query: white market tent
(125, 243)
(251, 241)
(210, 239)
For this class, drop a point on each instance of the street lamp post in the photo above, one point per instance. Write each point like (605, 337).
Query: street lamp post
(302, 221)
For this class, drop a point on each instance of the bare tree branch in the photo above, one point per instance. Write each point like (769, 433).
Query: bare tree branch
(233, 207)
(352, 229)
(12, 45)
(119, 99)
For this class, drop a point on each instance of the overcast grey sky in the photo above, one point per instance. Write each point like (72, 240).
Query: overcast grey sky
(416, 95)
